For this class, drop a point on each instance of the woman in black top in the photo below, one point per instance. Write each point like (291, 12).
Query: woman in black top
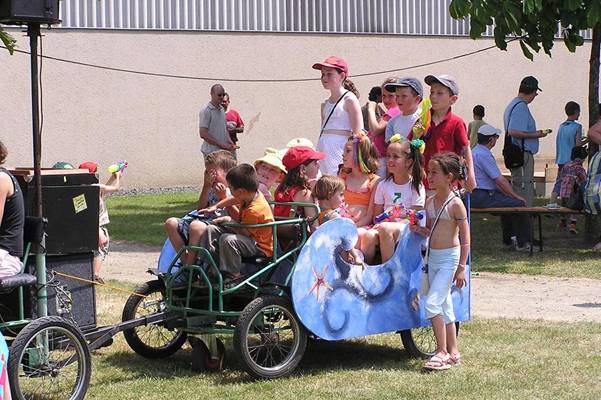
(12, 219)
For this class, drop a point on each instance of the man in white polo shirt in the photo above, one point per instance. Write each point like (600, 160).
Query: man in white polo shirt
(493, 190)
(212, 128)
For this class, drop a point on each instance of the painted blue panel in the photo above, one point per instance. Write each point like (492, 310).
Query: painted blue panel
(4, 388)
(336, 300)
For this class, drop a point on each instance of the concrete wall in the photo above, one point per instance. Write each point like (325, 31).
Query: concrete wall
(92, 114)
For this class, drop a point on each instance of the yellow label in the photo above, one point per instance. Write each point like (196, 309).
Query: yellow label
(79, 203)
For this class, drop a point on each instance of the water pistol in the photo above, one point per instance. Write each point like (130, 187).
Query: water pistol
(399, 212)
(118, 167)
(423, 122)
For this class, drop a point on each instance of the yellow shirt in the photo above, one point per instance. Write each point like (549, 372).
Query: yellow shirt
(258, 211)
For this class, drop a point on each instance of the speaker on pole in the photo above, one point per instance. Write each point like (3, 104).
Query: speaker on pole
(22, 12)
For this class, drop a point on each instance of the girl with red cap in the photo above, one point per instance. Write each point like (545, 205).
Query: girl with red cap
(340, 113)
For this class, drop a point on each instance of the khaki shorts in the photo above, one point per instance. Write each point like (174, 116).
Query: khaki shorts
(9, 265)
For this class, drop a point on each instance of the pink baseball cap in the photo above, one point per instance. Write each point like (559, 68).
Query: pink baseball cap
(333, 62)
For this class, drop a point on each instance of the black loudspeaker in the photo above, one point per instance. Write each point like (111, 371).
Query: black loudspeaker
(20, 12)
(67, 296)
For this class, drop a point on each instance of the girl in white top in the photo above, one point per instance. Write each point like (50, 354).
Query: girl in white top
(339, 119)
(403, 186)
(448, 251)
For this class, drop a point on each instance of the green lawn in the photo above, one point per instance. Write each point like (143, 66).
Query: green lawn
(140, 218)
(502, 359)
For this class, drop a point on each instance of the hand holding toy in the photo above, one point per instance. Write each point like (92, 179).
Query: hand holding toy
(119, 167)
(399, 212)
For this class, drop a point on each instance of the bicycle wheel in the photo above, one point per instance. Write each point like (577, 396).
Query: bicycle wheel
(155, 340)
(421, 342)
(49, 358)
(269, 337)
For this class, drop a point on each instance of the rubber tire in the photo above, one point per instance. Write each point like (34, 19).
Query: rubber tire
(240, 344)
(413, 349)
(132, 338)
(27, 334)
(201, 357)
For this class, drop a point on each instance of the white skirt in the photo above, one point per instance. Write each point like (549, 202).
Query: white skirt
(333, 146)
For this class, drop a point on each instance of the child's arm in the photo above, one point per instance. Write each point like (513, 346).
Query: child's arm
(460, 216)
(368, 216)
(113, 184)
(470, 183)
(579, 140)
(227, 202)
(423, 230)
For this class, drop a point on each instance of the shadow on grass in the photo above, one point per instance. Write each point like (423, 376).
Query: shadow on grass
(320, 357)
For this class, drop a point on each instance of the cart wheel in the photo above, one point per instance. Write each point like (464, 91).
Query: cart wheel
(201, 356)
(420, 342)
(269, 337)
(155, 340)
(49, 358)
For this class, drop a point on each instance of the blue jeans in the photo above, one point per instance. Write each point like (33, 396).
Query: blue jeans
(557, 185)
(511, 224)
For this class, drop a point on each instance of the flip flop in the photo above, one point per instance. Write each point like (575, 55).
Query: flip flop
(438, 363)
(455, 359)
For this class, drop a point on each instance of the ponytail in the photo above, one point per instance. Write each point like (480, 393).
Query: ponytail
(418, 174)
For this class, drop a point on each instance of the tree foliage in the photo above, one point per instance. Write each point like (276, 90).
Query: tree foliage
(535, 22)
(9, 42)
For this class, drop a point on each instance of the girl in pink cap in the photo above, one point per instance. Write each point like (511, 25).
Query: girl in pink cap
(340, 114)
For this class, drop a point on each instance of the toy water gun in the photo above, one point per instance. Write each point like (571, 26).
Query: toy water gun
(344, 212)
(423, 122)
(119, 167)
(399, 212)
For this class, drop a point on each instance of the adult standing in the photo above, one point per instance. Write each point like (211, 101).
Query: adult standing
(211, 127)
(493, 190)
(592, 189)
(340, 114)
(233, 121)
(12, 221)
(520, 125)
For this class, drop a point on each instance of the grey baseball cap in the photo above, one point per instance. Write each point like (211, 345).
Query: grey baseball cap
(413, 83)
(446, 80)
(489, 130)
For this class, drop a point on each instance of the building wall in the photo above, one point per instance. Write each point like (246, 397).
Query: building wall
(93, 114)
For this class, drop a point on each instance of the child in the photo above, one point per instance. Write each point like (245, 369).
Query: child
(111, 186)
(235, 243)
(302, 165)
(472, 128)
(569, 136)
(359, 167)
(448, 249)
(572, 173)
(447, 130)
(409, 95)
(329, 192)
(188, 230)
(403, 186)
(269, 171)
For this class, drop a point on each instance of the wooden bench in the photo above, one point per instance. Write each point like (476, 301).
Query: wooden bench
(533, 212)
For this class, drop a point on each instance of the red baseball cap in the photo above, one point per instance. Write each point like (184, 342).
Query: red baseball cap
(298, 155)
(333, 62)
(90, 166)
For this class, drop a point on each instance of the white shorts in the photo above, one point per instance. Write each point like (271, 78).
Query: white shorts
(9, 265)
(333, 146)
(441, 270)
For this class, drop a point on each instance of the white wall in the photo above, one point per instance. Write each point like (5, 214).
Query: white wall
(92, 114)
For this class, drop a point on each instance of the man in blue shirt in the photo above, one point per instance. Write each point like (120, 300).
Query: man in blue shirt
(520, 125)
(493, 190)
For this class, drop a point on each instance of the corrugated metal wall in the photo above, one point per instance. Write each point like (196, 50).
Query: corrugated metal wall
(401, 17)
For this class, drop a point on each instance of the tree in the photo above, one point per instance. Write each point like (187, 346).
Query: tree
(535, 23)
(8, 41)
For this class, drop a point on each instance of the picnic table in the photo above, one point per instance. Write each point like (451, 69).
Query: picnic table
(533, 212)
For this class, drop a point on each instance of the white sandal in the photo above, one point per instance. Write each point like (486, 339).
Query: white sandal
(438, 363)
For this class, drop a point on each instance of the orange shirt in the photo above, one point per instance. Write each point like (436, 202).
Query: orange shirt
(258, 211)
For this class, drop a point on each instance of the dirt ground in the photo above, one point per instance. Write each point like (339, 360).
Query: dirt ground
(493, 295)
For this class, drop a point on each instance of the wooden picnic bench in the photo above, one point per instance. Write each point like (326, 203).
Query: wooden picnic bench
(533, 212)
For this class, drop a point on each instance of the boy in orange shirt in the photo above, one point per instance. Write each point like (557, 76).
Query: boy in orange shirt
(232, 244)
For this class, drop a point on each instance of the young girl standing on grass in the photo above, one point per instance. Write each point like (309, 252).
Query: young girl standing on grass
(448, 249)
(403, 185)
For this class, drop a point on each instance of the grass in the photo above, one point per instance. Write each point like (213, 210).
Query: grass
(141, 218)
(502, 359)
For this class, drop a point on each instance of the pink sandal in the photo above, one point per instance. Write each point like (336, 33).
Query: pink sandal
(455, 359)
(438, 363)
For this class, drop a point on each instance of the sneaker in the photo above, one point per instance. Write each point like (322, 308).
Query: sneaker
(573, 229)
(525, 247)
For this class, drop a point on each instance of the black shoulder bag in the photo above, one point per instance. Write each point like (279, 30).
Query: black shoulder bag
(331, 112)
(513, 155)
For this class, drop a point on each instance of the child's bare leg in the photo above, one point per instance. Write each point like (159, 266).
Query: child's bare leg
(195, 232)
(97, 263)
(440, 332)
(368, 240)
(452, 345)
(174, 236)
(388, 232)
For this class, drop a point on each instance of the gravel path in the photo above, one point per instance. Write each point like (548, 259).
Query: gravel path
(493, 295)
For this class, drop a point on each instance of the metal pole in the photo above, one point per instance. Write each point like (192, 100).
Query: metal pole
(33, 31)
